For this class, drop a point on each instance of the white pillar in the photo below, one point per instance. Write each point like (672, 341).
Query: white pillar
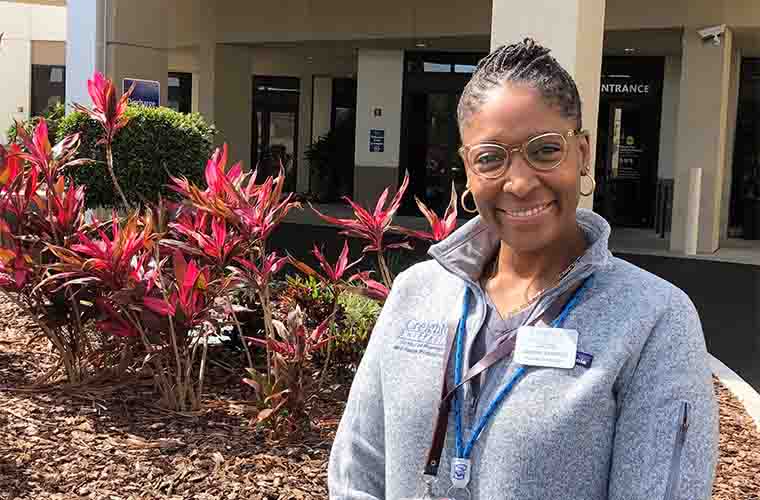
(378, 112)
(574, 31)
(702, 137)
(85, 47)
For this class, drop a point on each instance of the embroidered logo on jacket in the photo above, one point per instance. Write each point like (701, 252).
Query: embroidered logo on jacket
(423, 337)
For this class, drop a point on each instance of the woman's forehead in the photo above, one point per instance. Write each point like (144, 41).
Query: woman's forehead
(511, 114)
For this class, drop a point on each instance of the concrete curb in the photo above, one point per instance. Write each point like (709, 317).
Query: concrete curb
(744, 392)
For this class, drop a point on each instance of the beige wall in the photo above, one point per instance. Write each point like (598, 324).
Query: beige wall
(625, 14)
(24, 26)
(137, 43)
(48, 53)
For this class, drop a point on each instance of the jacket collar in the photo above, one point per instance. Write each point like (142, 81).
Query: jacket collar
(467, 250)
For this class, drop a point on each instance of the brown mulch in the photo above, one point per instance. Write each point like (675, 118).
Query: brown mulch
(113, 443)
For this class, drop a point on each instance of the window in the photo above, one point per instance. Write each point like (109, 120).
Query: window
(180, 92)
(48, 87)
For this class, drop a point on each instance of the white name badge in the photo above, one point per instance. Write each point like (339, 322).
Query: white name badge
(546, 347)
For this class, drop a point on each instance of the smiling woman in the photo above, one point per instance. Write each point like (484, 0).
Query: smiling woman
(564, 372)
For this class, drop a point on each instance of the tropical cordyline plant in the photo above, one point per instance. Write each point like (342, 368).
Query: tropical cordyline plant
(108, 110)
(292, 349)
(440, 227)
(373, 226)
(251, 212)
(332, 276)
(41, 208)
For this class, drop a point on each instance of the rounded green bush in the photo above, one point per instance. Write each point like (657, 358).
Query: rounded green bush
(157, 142)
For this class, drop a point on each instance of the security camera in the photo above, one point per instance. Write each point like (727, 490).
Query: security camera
(712, 33)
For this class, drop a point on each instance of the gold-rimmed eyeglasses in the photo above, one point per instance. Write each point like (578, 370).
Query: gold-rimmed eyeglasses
(543, 152)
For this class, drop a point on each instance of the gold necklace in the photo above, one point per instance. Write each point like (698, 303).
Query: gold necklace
(493, 270)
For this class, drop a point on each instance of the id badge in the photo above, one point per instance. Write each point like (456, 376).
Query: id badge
(546, 347)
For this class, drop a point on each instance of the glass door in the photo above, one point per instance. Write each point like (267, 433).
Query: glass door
(275, 127)
(433, 156)
(626, 180)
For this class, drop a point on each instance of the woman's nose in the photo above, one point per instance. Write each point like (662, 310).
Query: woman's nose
(520, 178)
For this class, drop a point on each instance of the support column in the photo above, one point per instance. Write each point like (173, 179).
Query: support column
(574, 31)
(702, 137)
(232, 95)
(206, 60)
(669, 117)
(85, 47)
(322, 106)
(116, 37)
(733, 109)
(378, 117)
(304, 131)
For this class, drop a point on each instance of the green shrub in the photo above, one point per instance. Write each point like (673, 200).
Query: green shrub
(359, 315)
(155, 143)
(52, 115)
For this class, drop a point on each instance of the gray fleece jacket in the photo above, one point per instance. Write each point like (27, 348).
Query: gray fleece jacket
(639, 424)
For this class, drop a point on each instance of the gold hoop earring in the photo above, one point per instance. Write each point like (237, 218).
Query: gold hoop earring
(464, 205)
(593, 184)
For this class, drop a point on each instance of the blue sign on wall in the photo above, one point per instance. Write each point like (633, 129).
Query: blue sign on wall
(376, 141)
(147, 92)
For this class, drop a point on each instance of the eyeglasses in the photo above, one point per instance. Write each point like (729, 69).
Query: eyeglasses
(543, 152)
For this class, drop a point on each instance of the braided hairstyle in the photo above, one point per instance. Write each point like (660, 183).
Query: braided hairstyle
(524, 63)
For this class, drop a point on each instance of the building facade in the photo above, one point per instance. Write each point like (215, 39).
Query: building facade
(676, 153)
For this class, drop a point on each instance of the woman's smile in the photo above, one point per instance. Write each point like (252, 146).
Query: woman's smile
(530, 213)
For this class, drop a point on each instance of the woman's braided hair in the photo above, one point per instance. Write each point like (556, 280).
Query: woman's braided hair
(524, 63)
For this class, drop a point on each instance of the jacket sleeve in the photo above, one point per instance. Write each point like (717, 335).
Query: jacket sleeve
(666, 438)
(357, 460)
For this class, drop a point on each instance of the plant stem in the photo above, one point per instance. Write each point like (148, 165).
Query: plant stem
(240, 333)
(109, 159)
(384, 271)
(268, 327)
(323, 375)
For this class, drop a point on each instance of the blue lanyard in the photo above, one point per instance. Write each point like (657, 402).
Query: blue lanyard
(465, 451)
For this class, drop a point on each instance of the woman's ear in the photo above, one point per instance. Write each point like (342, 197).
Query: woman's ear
(584, 145)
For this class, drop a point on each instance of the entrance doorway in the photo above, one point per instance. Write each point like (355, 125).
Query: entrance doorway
(625, 180)
(275, 127)
(628, 140)
(433, 84)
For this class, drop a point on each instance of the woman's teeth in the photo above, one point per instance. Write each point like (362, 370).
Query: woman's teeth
(528, 212)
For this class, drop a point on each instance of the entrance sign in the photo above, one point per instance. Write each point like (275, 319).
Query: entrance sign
(146, 93)
(625, 88)
(376, 140)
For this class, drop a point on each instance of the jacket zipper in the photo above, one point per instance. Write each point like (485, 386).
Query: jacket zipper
(675, 462)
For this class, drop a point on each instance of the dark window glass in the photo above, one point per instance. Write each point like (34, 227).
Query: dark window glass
(180, 92)
(48, 87)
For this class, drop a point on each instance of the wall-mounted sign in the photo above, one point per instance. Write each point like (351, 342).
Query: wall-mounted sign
(625, 88)
(147, 92)
(376, 141)
(377, 112)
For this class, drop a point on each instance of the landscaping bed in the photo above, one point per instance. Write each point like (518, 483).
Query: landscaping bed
(114, 443)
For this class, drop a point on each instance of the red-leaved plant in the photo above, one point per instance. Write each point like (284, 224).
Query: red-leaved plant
(108, 110)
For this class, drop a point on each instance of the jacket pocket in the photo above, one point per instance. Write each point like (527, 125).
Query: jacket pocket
(674, 472)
